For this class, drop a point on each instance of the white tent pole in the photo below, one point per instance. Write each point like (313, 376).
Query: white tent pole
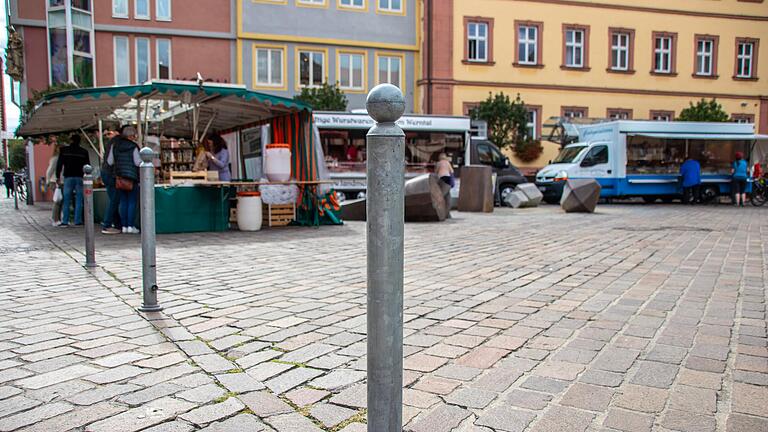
(138, 123)
(90, 142)
(205, 131)
(101, 139)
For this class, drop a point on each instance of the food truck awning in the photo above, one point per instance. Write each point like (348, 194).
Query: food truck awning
(173, 108)
(723, 137)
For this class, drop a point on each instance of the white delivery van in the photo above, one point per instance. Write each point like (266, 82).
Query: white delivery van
(642, 158)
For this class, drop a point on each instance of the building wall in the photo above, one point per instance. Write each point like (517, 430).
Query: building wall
(288, 25)
(202, 34)
(189, 55)
(551, 87)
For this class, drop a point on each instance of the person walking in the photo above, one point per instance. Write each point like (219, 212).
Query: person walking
(690, 171)
(8, 182)
(739, 179)
(125, 160)
(52, 181)
(111, 223)
(71, 161)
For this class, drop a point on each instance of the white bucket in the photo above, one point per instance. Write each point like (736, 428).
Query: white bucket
(249, 211)
(278, 162)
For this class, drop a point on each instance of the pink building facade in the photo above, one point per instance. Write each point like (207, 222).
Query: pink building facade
(121, 42)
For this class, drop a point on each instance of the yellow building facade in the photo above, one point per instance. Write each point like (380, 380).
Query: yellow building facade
(600, 59)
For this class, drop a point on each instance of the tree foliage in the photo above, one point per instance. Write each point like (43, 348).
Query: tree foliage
(507, 122)
(17, 154)
(704, 111)
(323, 98)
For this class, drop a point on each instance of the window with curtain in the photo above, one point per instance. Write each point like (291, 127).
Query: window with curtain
(351, 71)
(269, 67)
(390, 70)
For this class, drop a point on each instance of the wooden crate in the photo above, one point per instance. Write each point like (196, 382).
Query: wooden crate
(179, 177)
(275, 215)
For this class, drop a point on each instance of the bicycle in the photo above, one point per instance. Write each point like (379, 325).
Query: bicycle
(20, 186)
(759, 194)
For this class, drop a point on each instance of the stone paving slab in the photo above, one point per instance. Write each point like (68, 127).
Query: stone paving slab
(635, 318)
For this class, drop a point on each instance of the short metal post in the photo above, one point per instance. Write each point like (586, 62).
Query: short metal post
(148, 245)
(90, 248)
(385, 237)
(30, 191)
(15, 194)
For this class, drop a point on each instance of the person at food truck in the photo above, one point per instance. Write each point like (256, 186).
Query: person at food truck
(218, 157)
(739, 179)
(690, 171)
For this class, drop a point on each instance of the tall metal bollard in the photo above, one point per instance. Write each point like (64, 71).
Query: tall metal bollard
(385, 237)
(148, 265)
(15, 196)
(90, 248)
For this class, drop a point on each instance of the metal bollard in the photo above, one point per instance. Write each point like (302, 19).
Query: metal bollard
(15, 196)
(90, 248)
(148, 245)
(385, 237)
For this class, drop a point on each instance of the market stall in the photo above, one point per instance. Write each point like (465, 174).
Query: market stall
(173, 117)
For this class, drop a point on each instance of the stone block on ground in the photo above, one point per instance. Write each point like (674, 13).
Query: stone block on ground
(580, 196)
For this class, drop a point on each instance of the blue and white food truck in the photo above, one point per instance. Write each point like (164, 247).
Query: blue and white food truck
(643, 158)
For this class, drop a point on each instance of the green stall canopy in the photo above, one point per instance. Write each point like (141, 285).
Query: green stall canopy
(173, 108)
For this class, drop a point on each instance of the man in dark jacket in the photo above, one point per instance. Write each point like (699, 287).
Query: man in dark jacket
(111, 223)
(8, 181)
(72, 159)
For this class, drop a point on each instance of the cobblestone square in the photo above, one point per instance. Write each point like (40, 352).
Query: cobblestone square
(635, 318)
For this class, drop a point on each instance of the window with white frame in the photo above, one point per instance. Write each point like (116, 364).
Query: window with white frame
(71, 42)
(705, 55)
(620, 51)
(574, 48)
(527, 44)
(164, 58)
(359, 4)
(390, 70)
(662, 54)
(351, 71)
(269, 67)
(311, 68)
(619, 114)
(311, 2)
(391, 5)
(122, 61)
(574, 112)
(745, 53)
(163, 10)
(663, 116)
(743, 118)
(142, 60)
(477, 41)
(120, 8)
(141, 10)
(530, 127)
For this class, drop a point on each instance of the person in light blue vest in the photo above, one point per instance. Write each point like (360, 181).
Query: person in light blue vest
(739, 179)
(690, 171)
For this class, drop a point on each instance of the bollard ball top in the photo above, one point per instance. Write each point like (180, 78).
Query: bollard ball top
(87, 169)
(385, 103)
(147, 154)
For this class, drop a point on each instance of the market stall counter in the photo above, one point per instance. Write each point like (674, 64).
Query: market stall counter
(182, 208)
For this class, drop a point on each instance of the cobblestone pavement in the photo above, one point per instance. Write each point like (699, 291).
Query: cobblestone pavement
(636, 318)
